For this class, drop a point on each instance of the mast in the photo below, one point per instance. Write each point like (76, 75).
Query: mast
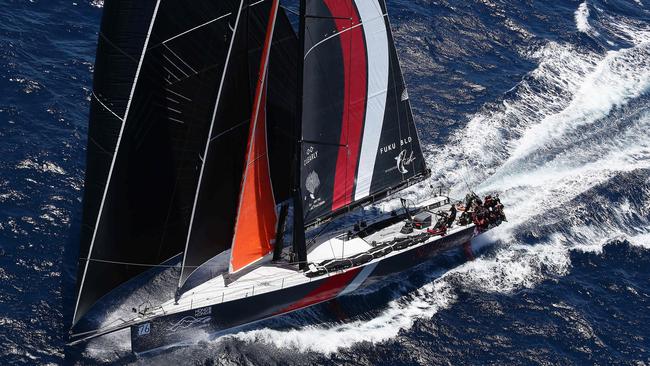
(299, 244)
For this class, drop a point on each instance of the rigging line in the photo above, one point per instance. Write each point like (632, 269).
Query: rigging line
(99, 146)
(201, 25)
(230, 129)
(207, 144)
(106, 107)
(290, 10)
(117, 146)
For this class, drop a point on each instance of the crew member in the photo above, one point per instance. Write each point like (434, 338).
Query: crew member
(452, 216)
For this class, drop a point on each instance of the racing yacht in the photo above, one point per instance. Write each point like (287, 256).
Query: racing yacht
(214, 127)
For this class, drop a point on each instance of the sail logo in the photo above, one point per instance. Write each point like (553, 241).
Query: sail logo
(311, 184)
(144, 329)
(188, 322)
(404, 159)
(393, 146)
(310, 155)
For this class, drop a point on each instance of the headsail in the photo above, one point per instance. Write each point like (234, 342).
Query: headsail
(359, 138)
(155, 85)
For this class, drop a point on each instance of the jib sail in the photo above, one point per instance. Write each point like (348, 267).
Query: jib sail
(359, 141)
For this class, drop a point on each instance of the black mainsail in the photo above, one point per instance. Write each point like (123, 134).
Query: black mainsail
(359, 141)
(160, 68)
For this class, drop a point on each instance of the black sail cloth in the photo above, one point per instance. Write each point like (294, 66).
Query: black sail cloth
(155, 86)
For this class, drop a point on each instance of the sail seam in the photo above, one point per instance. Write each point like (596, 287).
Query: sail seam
(101, 34)
(117, 147)
(207, 145)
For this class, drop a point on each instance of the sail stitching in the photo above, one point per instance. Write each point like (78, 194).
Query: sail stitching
(117, 146)
(181, 60)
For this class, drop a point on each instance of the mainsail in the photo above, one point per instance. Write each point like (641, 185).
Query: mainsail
(155, 86)
(165, 70)
(359, 141)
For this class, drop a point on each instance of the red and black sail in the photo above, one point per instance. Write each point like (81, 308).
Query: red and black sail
(359, 140)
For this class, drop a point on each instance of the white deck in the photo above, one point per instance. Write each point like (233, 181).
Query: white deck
(272, 277)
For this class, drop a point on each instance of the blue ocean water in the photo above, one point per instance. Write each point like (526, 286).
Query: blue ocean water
(545, 103)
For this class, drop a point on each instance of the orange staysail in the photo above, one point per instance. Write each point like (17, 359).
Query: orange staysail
(255, 227)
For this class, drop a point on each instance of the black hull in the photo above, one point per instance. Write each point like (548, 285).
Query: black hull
(184, 327)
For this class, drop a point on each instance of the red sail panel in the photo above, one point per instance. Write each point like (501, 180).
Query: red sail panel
(256, 218)
(353, 49)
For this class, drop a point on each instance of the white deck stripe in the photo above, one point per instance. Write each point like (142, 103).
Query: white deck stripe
(117, 147)
(358, 280)
(375, 33)
(207, 147)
